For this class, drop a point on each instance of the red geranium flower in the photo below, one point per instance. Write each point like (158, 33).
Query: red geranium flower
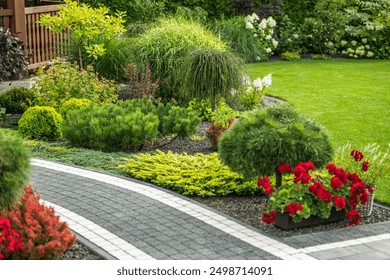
(266, 184)
(357, 155)
(293, 208)
(335, 183)
(354, 217)
(370, 189)
(339, 202)
(269, 217)
(365, 165)
(284, 168)
(331, 168)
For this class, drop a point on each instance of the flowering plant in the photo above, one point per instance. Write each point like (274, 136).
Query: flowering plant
(263, 31)
(251, 93)
(10, 240)
(312, 192)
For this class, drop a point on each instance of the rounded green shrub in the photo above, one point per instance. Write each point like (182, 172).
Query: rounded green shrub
(264, 138)
(14, 170)
(73, 104)
(41, 122)
(16, 100)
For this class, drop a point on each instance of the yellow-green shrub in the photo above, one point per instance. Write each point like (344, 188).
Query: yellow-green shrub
(191, 175)
(72, 104)
(41, 122)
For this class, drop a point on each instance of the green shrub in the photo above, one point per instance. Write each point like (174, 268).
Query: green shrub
(165, 46)
(201, 107)
(110, 127)
(264, 138)
(63, 81)
(191, 175)
(211, 74)
(41, 122)
(290, 56)
(16, 100)
(13, 59)
(112, 64)
(72, 104)
(127, 126)
(2, 114)
(173, 119)
(14, 170)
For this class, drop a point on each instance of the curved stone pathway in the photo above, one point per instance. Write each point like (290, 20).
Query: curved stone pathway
(129, 219)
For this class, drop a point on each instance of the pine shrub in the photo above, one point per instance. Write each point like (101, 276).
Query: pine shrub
(16, 100)
(14, 169)
(127, 125)
(262, 139)
(44, 236)
(41, 122)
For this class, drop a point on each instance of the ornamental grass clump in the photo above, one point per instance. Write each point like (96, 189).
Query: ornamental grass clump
(262, 139)
(314, 192)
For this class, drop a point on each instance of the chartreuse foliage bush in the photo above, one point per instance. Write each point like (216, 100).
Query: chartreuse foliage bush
(264, 138)
(14, 169)
(63, 81)
(190, 175)
(16, 100)
(127, 126)
(44, 236)
(165, 46)
(41, 122)
(84, 24)
(73, 104)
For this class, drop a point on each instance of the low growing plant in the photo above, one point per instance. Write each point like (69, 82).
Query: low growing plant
(73, 104)
(41, 122)
(290, 56)
(190, 175)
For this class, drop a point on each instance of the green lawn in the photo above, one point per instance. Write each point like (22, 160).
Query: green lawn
(351, 98)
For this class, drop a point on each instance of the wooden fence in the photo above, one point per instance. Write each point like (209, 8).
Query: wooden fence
(40, 43)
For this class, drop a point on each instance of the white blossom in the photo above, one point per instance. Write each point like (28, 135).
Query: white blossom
(353, 43)
(258, 58)
(364, 40)
(255, 17)
(263, 24)
(370, 54)
(267, 80)
(268, 50)
(258, 84)
(248, 18)
(255, 35)
(246, 81)
(268, 37)
(271, 22)
(343, 43)
(233, 91)
(249, 25)
(275, 43)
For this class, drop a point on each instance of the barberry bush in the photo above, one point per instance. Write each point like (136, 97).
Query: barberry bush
(44, 236)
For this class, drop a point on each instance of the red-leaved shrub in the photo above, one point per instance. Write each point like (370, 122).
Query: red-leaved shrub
(44, 236)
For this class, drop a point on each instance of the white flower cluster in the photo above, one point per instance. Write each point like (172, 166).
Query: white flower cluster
(261, 84)
(354, 49)
(263, 30)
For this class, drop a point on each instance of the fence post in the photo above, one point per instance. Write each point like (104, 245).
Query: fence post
(18, 24)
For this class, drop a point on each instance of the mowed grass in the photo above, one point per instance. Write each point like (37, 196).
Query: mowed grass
(350, 98)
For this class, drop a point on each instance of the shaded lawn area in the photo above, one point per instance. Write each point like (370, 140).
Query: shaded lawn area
(351, 98)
